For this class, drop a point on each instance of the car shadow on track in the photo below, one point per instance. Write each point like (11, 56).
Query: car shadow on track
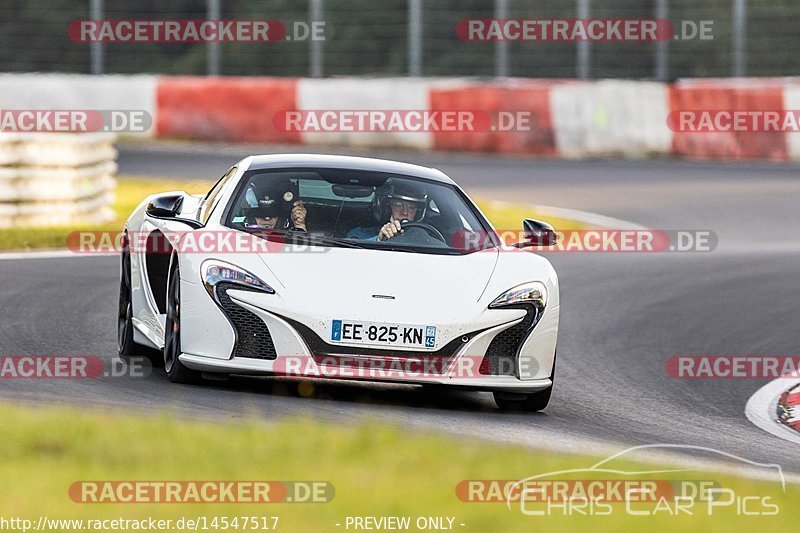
(355, 392)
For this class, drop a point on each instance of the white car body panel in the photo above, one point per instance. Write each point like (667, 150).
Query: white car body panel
(451, 292)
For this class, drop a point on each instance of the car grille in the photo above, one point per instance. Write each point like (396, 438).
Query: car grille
(501, 355)
(349, 356)
(253, 340)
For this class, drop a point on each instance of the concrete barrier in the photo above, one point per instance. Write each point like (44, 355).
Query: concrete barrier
(80, 92)
(727, 95)
(225, 109)
(366, 94)
(568, 118)
(514, 99)
(610, 117)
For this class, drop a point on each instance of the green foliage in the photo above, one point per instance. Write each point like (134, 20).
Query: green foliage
(365, 37)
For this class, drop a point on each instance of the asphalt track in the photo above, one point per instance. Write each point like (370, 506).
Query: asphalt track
(623, 315)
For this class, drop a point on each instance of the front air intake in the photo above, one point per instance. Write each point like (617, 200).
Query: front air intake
(253, 340)
(501, 355)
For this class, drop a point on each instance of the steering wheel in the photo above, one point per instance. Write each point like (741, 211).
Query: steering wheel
(433, 232)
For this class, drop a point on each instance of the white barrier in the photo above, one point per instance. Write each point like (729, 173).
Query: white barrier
(80, 92)
(53, 179)
(600, 118)
(360, 94)
(791, 102)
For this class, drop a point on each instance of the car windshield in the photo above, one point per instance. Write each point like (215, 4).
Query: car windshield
(348, 208)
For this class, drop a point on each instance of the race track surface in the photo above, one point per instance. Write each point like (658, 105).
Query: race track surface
(623, 315)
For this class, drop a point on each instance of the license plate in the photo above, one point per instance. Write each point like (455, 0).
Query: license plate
(381, 333)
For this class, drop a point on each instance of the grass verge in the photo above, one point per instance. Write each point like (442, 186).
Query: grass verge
(376, 470)
(132, 190)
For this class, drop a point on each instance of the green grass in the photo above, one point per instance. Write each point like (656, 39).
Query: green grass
(376, 470)
(132, 190)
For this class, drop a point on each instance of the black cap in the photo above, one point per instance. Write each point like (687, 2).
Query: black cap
(265, 209)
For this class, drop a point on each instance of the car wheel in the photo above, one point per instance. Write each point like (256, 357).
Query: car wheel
(127, 347)
(523, 402)
(177, 372)
(530, 403)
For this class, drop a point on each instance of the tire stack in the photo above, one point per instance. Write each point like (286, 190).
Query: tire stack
(56, 179)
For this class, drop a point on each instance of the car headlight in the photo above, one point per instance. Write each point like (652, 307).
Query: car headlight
(215, 272)
(532, 292)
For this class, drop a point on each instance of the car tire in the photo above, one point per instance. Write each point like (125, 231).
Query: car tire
(530, 403)
(127, 347)
(177, 372)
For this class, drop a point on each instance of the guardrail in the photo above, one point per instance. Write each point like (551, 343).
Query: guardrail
(55, 179)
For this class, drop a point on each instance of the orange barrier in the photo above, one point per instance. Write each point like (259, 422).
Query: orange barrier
(516, 102)
(224, 109)
(728, 95)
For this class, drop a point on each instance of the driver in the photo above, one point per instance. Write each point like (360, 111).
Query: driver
(407, 202)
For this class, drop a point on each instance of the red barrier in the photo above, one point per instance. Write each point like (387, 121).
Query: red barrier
(725, 95)
(517, 101)
(224, 109)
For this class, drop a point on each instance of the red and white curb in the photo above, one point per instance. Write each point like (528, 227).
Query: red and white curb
(788, 408)
(775, 408)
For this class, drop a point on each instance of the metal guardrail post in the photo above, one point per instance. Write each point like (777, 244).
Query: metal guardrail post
(415, 38)
(213, 58)
(96, 51)
(501, 46)
(739, 38)
(584, 48)
(316, 64)
(662, 47)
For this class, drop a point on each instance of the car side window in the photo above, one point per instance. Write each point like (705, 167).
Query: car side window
(212, 198)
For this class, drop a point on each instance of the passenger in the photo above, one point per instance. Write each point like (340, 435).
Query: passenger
(267, 216)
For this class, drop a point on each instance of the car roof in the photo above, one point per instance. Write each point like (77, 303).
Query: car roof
(258, 162)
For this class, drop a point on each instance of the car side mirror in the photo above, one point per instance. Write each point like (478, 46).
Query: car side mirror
(165, 206)
(538, 233)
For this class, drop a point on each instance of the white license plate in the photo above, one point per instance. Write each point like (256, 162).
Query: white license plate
(381, 333)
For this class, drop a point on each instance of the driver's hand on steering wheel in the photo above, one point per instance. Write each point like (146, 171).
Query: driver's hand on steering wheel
(389, 230)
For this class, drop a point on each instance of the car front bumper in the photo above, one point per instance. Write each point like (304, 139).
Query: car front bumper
(296, 351)
(257, 367)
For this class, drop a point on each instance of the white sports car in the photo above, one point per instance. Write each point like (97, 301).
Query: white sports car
(344, 268)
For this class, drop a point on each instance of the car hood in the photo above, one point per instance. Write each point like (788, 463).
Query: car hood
(333, 276)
